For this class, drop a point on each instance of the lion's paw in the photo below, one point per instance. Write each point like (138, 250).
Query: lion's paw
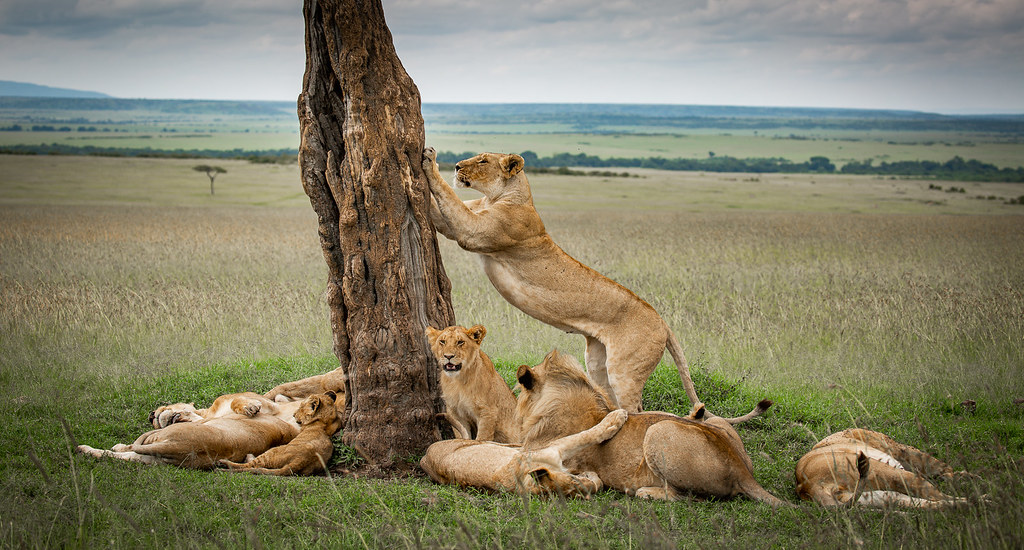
(429, 158)
(89, 451)
(252, 408)
(612, 422)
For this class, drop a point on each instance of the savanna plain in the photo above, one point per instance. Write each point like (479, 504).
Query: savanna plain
(848, 300)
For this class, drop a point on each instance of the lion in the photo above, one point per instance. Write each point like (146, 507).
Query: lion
(473, 391)
(203, 444)
(333, 381)
(625, 336)
(309, 451)
(502, 467)
(868, 468)
(654, 455)
(246, 404)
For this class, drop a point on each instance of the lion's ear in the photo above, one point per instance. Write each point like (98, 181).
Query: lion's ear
(512, 164)
(525, 377)
(432, 333)
(477, 333)
(332, 395)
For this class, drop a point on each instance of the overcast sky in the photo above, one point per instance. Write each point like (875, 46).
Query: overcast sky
(931, 55)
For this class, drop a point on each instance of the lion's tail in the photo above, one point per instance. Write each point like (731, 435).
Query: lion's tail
(757, 411)
(676, 351)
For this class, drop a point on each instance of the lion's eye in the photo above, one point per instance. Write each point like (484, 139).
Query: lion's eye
(459, 343)
(482, 161)
(440, 342)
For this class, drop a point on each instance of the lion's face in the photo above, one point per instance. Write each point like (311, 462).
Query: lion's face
(320, 407)
(172, 414)
(455, 346)
(488, 172)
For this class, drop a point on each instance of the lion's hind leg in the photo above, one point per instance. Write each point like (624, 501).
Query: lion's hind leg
(130, 456)
(884, 478)
(630, 362)
(881, 499)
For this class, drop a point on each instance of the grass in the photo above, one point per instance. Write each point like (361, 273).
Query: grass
(848, 301)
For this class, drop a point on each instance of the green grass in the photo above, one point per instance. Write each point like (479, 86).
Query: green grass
(847, 301)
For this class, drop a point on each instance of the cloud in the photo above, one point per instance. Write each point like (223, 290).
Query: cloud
(704, 51)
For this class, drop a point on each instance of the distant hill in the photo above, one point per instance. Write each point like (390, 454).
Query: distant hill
(24, 89)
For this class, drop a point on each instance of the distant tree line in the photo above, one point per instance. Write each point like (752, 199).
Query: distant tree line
(956, 168)
(710, 164)
(267, 156)
(953, 169)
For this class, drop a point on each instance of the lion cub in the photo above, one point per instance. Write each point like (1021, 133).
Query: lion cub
(858, 466)
(473, 391)
(309, 451)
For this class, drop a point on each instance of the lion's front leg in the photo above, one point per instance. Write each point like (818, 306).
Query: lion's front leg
(438, 187)
(440, 224)
(455, 219)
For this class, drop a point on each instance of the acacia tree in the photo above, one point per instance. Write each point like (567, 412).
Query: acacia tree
(211, 172)
(360, 157)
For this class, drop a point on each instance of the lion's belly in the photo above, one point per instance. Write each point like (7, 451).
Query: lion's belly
(562, 292)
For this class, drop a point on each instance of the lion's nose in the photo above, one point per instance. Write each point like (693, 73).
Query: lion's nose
(449, 356)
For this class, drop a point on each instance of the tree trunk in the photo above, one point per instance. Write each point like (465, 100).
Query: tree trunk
(360, 157)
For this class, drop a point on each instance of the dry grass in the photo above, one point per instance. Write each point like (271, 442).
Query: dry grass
(118, 292)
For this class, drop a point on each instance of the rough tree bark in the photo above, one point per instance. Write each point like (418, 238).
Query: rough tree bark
(360, 156)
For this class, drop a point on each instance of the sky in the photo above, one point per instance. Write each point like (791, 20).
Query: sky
(949, 56)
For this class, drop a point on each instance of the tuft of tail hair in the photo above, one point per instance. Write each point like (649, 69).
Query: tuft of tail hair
(761, 407)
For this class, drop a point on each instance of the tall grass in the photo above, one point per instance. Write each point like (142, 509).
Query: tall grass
(110, 306)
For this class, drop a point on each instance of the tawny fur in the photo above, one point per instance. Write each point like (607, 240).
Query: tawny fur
(309, 451)
(246, 404)
(333, 381)
(654, 455)
(474, 393)
(499, 467)
(203, 444)
(868, 468)
(625, 336)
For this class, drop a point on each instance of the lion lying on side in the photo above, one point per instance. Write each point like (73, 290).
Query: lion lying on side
(473, 391)
(202, 445)
(499, 467)
(625, 336)
(858, 466)
(246, 404)
(233, 426)
(309, 451)
(654, 455)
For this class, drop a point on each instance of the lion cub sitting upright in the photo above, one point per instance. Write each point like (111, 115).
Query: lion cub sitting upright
(473, 391)
(309, 451)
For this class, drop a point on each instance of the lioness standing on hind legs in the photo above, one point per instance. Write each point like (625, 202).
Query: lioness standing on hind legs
(625, 336)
